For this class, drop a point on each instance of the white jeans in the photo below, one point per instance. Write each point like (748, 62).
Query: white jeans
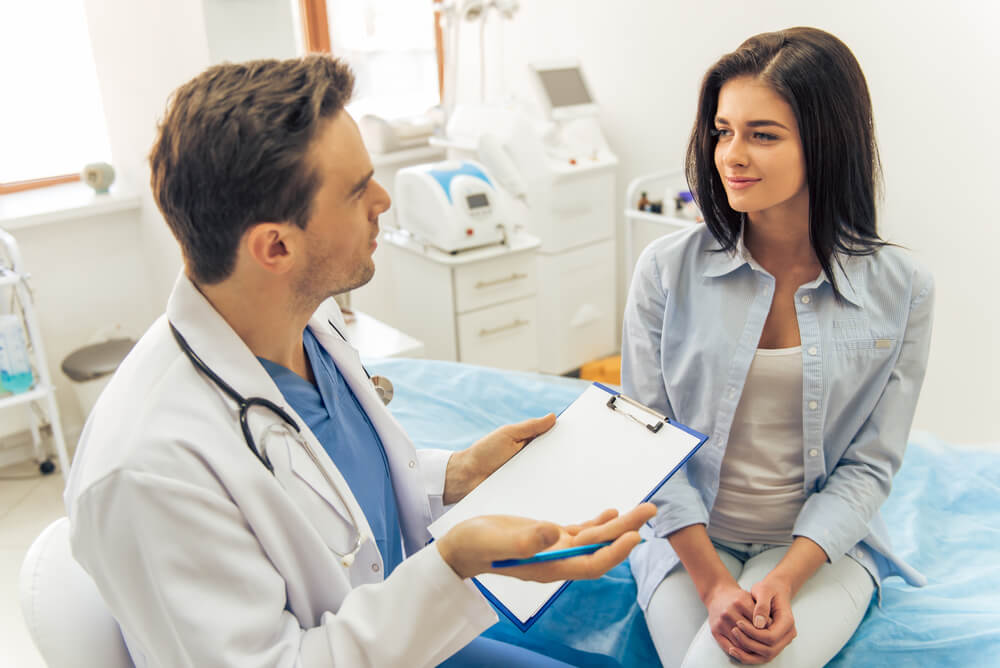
(827, 610)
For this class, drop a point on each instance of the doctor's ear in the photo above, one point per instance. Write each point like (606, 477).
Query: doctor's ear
(272, 246)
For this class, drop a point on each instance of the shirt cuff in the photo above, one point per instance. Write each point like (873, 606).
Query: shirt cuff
(433, 469)
(831, 523)
(678, 505)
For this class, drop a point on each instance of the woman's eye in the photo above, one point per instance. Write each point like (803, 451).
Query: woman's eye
(720, 132)
(764, 136)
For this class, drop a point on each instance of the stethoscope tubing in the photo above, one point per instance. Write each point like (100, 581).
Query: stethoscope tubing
(244, 404)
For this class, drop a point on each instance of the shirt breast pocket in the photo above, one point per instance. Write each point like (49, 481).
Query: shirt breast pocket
(856, 337)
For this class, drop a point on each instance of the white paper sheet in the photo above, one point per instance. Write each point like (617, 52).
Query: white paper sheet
(594, 458)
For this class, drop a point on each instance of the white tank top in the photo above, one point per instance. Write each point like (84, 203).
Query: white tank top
(761, 481)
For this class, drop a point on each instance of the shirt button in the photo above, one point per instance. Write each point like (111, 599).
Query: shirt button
(806, 299)
(412, 464)
(812, 350)
(375, 568)
(813, 405)
(813, 452)
(732, 392)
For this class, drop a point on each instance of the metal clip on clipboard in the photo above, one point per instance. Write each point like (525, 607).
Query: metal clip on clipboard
(661, 419)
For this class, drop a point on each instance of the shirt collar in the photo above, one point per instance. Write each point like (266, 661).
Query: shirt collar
(846, 271)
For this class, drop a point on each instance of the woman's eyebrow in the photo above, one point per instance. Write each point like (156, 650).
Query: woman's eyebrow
(719, 120)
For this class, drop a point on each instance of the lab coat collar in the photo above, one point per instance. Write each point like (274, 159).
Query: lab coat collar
(846, 269)
(221, 348)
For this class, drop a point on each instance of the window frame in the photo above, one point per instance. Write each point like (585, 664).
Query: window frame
(316, 34)
(31, 184)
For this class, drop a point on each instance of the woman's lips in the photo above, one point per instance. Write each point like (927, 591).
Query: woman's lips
(740, 182)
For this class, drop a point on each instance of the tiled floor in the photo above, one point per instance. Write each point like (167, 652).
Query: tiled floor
(26, 507)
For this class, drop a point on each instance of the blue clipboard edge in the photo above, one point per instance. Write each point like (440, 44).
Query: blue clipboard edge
(524, 626)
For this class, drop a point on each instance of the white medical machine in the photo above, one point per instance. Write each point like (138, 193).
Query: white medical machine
(559, 171)
(451, 205)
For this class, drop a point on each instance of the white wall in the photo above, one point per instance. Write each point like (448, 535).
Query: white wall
(931, 70)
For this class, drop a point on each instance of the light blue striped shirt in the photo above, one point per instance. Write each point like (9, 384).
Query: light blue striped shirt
(692, 324)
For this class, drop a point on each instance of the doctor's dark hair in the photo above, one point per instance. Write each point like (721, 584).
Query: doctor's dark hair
(821, 80)
(232, 151)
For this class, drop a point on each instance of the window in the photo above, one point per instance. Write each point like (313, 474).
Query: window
(51, 120)
(393, 47)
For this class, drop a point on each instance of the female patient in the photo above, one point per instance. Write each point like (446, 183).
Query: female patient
(787, 330)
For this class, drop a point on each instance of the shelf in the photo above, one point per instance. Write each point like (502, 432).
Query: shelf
(36, 393)
(659, 218)
(67, 201)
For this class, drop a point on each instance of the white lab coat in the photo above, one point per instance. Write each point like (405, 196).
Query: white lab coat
(207, 559)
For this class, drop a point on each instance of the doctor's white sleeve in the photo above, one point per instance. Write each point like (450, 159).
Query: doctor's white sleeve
(433, 469)
(187, 579)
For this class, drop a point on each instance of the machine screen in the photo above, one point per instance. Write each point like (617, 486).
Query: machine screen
(565, 87)
(477, 201)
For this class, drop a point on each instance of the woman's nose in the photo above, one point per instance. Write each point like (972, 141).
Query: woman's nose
(735, 152)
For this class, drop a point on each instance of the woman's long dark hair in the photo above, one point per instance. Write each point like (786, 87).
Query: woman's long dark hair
(819, 77)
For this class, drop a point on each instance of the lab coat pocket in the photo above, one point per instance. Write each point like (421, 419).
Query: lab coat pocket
(321, 504)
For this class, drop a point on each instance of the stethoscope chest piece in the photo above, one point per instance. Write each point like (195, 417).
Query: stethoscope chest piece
(383, 388)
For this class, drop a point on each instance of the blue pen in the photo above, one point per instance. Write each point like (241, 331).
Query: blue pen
(553, 555)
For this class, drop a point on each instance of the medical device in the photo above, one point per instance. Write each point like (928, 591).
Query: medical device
(563, 89)
(452, 205)
(383, 387)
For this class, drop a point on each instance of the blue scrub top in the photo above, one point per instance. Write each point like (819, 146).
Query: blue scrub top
(335, 416)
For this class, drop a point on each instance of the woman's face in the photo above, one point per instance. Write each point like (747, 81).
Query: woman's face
(759, 151)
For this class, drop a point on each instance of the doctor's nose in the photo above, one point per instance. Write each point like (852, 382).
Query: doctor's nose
(382, 199)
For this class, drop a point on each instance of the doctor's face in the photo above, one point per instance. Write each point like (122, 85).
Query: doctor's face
(759, 151)
(340, 235)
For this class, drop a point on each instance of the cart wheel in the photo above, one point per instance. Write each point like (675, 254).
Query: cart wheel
(47, 467)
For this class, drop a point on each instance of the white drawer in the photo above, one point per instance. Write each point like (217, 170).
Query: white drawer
(502, 336)
(581, 211)
(493, 281)
(576, 310)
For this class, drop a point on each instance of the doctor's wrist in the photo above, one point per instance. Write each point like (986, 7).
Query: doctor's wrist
(450, 555)
(456, 479)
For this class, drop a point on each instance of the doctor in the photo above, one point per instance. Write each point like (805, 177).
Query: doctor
(240, 494)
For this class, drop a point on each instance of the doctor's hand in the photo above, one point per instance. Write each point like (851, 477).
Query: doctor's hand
(471, 547)
(467, 468)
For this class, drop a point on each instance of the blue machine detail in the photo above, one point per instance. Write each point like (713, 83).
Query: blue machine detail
(444, 176)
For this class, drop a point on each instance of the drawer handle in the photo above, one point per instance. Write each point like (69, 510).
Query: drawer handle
(503, 328)
(488, 284)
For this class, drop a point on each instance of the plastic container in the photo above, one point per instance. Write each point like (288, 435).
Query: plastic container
(15, 365)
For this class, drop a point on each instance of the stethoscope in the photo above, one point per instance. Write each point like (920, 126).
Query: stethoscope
(383, 387)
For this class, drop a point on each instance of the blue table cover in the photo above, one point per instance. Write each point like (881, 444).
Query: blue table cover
(943, 515)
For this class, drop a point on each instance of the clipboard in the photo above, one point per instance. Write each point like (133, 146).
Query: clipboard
(605, 451)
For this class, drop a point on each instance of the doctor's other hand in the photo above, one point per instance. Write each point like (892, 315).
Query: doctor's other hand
(467, 468)
(471, 547)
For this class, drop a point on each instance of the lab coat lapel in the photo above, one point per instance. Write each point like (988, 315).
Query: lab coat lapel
(215, 342)
(411, 499)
